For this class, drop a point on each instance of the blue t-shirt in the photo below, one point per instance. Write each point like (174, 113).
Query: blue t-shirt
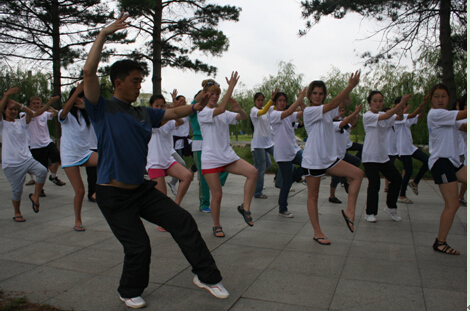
(123, 132)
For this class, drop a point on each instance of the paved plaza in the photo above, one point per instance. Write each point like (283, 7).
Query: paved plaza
(274, 265)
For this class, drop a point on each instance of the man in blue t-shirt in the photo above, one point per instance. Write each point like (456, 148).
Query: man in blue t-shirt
(122, 193)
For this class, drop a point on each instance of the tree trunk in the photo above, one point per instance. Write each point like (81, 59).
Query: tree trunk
(56, 74)
(447, 56)
(157, 49)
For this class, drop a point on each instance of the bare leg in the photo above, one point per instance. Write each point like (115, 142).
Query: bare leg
(449, 192)
(73, 174)
(313, 186)
(185, 176)
(213, 181)
(241, 167)
(16, 206)
(355, 176)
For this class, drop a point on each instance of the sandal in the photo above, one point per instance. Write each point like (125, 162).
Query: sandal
(413, 188)
(79, 228)
(446, 248)
(349, 223)
(218, 230)
(35, 206)
(19, 219)
(322, 239)
(246, 215)
(405, 200)
(30, 183)
(263, 196)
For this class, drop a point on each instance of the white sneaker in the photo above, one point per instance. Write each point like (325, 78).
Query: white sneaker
(371, 218)
(217, 290)
(393, 213)
(135, 303)
(287, 214)
(172, 187)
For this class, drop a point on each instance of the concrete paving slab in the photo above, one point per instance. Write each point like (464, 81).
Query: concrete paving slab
(274, 265)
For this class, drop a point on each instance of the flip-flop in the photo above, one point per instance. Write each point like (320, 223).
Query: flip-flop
(19, 219)
(35, 206)
(263, 196)
(318, 241)
(348, 222)
(79, 228)
(246, 215)
(413, 188)
(30, 183)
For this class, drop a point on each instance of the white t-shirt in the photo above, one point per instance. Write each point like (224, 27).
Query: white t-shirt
(15, 151)
(182, 130)
(320, 149)
(404, 138)
(462, 138)
(262, 137)
(93, 139)
(75, 140)
(392, 141)
(463, 141)
(216, 150)
(375, 148)
(285, 144)
(161, 147)
(39, 132)
(342, 139)
(443, 136)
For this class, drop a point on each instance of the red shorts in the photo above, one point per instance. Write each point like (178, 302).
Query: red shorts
(156, 172)
(214, 170)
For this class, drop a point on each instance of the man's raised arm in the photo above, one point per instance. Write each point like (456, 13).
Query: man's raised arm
(90, 79)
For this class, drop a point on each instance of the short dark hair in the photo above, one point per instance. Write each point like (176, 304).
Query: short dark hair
(439, 86)
(258, 94)
(179, 96)
(155, 97)
(369, 98)
(279, 94)
(122, 68)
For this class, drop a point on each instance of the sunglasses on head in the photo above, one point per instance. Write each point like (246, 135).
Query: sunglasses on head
(212, 83)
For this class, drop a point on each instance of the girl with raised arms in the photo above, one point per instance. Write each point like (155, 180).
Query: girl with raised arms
(262, 143)
(375, 155)
(16, 157)
(444, 161)
(160, 161)
(75, 147)
(218, 156)
(320, 154)
(286, 150)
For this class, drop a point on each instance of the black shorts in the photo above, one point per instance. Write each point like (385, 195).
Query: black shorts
(319, 172)
(43, 155)
(443, 171)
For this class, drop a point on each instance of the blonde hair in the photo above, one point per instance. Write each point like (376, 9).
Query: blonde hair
(213, 86)
(35, 97)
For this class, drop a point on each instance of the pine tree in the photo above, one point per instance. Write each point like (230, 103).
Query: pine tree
(51, 31)
(438, 23)
(176, 28)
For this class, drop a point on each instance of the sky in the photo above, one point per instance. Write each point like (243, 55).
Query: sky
(267, 32)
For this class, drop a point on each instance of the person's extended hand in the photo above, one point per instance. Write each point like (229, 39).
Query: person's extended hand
(233, 79)
(235, 105)
(273, 93)
(118, 24)
(12, 91)
(354, 78)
